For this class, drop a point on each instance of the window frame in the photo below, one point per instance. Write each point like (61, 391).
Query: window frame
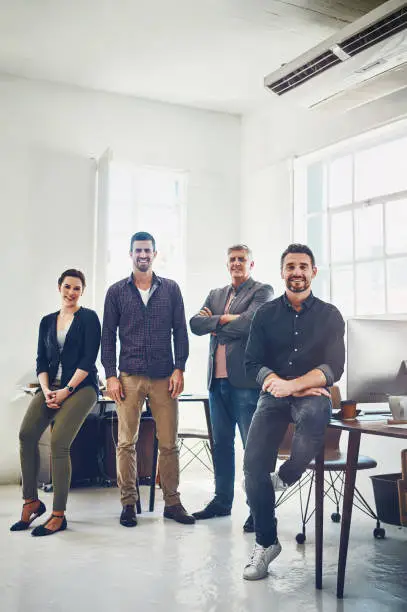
(324, 159)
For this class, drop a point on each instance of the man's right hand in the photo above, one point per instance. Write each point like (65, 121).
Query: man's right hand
(268, 380)
(115, 389)
(205, 312)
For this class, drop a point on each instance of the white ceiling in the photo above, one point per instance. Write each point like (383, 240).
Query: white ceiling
(210, 54)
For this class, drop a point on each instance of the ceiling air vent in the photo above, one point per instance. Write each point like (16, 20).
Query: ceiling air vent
(364, 61)
(386, 27)
(303, 73)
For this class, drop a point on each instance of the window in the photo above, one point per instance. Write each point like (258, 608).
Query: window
(151, 200)
(351, 209)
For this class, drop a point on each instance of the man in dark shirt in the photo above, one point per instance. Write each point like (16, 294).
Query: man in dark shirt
(147, 310)
(295, 351)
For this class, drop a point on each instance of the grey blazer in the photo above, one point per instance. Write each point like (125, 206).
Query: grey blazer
(234, 335)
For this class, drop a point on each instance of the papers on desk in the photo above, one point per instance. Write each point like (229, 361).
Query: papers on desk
(377, 408)
(372, 417)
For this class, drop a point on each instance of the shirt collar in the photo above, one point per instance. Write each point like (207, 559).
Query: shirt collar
(155, 282)
(305, 304)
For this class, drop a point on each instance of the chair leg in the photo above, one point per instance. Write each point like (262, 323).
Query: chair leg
(138, 502)
(153, 474)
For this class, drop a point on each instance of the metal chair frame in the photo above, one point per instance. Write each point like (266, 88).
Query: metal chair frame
(201, 445)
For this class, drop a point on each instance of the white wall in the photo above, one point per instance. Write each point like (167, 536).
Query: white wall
(47, 136)
(271, 139)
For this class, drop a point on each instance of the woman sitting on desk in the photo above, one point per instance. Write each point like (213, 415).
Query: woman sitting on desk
(68, 345)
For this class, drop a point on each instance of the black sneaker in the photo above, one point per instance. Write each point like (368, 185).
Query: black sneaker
(213, 509)
(248, 527)
(128, 516)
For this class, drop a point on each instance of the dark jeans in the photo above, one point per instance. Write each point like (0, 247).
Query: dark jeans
(310, 415)
(229, 406)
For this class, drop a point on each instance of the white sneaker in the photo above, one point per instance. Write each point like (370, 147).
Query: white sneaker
(278, 484)
(257, 566)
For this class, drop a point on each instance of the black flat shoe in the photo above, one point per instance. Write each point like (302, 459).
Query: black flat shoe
(41, 530)
(23, 525)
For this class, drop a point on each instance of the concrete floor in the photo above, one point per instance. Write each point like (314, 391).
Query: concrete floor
(160, 565)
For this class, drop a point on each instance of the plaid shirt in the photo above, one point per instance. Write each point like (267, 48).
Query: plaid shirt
(144, 331)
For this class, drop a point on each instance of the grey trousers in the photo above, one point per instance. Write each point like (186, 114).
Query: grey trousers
(67, 421)
(311, 415)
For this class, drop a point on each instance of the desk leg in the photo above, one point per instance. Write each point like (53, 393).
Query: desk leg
(350, 478)
(319, 516)
(208, 424)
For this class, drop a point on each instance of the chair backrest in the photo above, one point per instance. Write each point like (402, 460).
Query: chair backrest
(332, 436)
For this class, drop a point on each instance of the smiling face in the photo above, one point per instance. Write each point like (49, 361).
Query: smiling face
(239, 265)
(71, 290)
(297, 272)
(142, 255)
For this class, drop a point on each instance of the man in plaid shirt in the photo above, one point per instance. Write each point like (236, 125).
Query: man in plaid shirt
(148, 311)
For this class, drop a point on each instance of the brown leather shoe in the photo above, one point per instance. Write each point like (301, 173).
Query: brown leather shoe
(179, 514)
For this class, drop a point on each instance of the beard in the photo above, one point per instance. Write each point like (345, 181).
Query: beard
(143, 266)
(292, 285)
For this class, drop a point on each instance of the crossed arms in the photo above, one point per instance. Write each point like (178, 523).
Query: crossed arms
(228, 327)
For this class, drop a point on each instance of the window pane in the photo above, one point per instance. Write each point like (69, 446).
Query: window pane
(381, 170)
(396, 223)
(397, 285)
(316, 187)
(340, 181)
(320, 285)
(370, 288)
(342, 289)
(369, 232)
(341, 237)
(317, 238)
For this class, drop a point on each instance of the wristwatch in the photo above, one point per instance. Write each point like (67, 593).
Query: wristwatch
(70, 389)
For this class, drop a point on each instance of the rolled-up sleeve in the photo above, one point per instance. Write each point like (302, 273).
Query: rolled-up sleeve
(91, 344)
(109, 334)
(334, 358)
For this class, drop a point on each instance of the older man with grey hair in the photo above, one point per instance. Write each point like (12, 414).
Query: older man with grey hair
(226, 316)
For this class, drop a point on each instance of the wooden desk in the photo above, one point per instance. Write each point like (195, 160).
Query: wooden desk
(355, 429)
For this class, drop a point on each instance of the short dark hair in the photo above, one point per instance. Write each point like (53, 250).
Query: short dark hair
(241, 247)
(298, 248)
(141, 236)
(75, 274)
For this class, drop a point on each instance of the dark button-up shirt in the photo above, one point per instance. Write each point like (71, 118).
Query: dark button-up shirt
(144, 331)
(292, 343)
